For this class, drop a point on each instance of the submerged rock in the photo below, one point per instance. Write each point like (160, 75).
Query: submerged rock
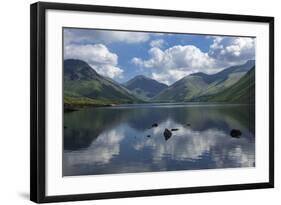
(235, 133)
(154, 125)
(148, 135)
(174, 129)
(167, 134)
(188, 124)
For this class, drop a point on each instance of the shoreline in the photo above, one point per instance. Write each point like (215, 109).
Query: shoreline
(72, 108)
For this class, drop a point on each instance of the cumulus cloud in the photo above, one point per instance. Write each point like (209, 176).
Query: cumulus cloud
(175, 62)
(157, 43)
(84, 36)
(232, 50)
(178, 61)
(97, 56)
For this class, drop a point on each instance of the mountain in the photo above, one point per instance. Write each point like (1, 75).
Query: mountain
(242, 91)
(192, 87)
(182, 90)
(84, 85)
(227, 77)
(144, 87)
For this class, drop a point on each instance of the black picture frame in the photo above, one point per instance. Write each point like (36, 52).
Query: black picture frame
(38, 100)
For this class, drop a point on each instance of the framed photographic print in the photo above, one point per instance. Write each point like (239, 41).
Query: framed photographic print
(129, 102)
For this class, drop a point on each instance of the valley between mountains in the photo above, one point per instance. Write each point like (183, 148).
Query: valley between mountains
(84, 87)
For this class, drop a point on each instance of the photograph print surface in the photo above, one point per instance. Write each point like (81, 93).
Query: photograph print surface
(138, 101)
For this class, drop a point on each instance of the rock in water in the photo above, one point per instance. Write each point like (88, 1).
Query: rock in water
(148, 135)
(154, 125)
(167, 134)
(235, 133)
(174, 129)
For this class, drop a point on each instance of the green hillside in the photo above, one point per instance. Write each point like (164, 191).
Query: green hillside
(183, 90)
(241, 92)
(83, 84)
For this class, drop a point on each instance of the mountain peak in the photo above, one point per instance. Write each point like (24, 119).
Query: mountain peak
(72, 60)
(140, 77)
(144, 87)
(75, 69)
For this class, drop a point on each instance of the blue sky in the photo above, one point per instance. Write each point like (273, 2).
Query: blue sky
(165, 57)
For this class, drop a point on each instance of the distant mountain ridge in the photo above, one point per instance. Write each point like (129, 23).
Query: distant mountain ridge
(84, 86)
(144, 87)
(193, 86)
(225, 72)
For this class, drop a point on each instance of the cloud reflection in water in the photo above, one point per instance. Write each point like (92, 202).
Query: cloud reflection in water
(124, 147)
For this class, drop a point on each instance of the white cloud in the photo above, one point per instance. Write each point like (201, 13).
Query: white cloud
(109, 71)
(78, 36)
(158, 43)
(165, 65)
(176, 62)
(101, 151)
(94, 54)
(232, 50)
(97, 56)
(169, 76)
(137, 61)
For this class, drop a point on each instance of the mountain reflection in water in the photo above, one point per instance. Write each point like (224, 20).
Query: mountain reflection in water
(122, 139)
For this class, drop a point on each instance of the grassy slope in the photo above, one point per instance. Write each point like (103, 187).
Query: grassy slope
(84, 87)
(71, 103)
(220, 85)
(241, 92)
(182, 90)
(97, 89)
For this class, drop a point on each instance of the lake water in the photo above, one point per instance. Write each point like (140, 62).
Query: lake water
(122, 140)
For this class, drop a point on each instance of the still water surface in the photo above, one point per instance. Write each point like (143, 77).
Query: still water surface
(122, 140)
